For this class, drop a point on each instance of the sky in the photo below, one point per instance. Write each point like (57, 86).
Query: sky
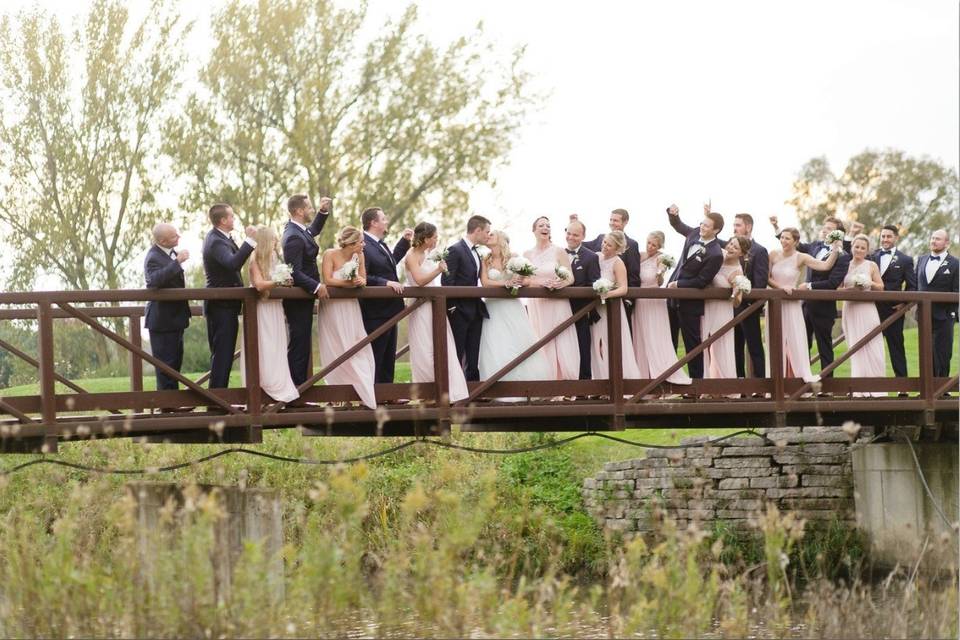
(653, 103)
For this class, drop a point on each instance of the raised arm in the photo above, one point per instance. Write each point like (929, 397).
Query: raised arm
(162, 273)
(221, 254)
(806, 260)
(673, 215)
(400, 249)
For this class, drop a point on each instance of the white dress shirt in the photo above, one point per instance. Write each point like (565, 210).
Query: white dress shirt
(886, 259)
(473, 252)
(934, 265)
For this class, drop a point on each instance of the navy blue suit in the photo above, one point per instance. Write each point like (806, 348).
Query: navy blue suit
(300, 251)
(586, 270)
(381, 266)
(222, 261)
(694, 272)
(466, 314)
(756, 266)
(900, 275)
(944, 313)
(820, 315)
(166, 321)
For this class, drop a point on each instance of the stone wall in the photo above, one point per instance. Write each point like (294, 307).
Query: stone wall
(802, 469)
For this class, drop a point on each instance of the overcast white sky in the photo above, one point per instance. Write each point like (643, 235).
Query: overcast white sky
(660, 102)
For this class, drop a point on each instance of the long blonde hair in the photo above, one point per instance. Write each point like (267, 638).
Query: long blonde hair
(503, 243)
(267, 249)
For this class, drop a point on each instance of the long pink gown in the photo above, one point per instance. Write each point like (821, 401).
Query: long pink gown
(859, 318)
(420, 338)
(599, 360)
(652, 345)
(796, 355)
(719, 360)
(340, 327)
(563, 352)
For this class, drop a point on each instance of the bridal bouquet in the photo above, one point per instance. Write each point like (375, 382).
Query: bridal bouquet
(833, 236)
(741, 284)
(603, 286)
(282, 274)
(520, 266)
(482, 251)
(861, 281)
(666, 262)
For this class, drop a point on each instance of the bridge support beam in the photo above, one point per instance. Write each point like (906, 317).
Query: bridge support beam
(893, 508)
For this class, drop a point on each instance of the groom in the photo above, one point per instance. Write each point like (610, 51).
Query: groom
(300, 251)
(467, 314)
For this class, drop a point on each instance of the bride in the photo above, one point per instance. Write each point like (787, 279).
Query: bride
(507, 332)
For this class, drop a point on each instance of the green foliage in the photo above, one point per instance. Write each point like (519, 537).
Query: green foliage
(297, 97)
(79, 134)
(919, 194)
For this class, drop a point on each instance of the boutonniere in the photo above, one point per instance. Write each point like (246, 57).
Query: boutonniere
(946, 272)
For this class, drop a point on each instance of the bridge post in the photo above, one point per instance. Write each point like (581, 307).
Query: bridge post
(615, 361)
(48, 398)
(251, 345)
(775, 332)
(136, 364)
(925, 357)
(441, 377)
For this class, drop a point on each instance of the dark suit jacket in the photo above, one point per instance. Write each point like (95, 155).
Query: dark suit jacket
(901, 275)
(300, 251)
(163, 272)
(222, 261)
(630, 257)
(944, 280)
(381, 266)
(586, 271)
(825, 280)
(756, 266)
(462, 272)
(698, 271)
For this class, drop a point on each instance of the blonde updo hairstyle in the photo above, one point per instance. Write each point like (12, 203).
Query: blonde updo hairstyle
(861, 236)
(348, 236)
(618, 239)
(659, 237)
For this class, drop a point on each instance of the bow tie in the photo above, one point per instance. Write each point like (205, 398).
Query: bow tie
(173, 253)
(886, 252)
(572, 252)
(935, 258)
(474, 247)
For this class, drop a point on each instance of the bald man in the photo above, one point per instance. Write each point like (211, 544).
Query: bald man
(166, 321)
(938, 271)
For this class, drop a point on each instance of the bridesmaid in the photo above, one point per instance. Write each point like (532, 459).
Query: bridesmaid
(612, 268)
(785, 268)
(859, 318)
(275, 377)
(652, 346)
(422, 271)
(719, 360)
(340, 322)
(563, 352)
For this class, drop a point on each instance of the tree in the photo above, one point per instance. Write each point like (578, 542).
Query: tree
(878, 188)
(293, 100)
(79, 139)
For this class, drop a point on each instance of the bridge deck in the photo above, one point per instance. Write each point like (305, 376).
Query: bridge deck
(39, 422)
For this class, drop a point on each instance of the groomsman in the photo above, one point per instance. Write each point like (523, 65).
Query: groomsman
(700, 261)
(898, 274)
(222, 261)
(586, 270)
(938, 272)
(756, 266)
(381, 272)
(166, 321)
(467, 314)
(300, 251)
(820, 315)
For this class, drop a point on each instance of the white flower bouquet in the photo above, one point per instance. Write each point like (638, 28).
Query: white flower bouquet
(482, 251)
(562, 272)
(350, 270)
(741, 284)
(439, 255)
(603, 286)
(861, 281)
(666, 262)
(833, 236)
(519, 266)
(282, 274)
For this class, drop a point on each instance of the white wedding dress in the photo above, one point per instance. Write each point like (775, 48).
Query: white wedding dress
(506, 334)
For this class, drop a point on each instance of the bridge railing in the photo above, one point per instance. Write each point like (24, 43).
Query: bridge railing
(618, 402)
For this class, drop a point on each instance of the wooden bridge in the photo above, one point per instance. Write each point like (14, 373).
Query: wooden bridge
(40, 422)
